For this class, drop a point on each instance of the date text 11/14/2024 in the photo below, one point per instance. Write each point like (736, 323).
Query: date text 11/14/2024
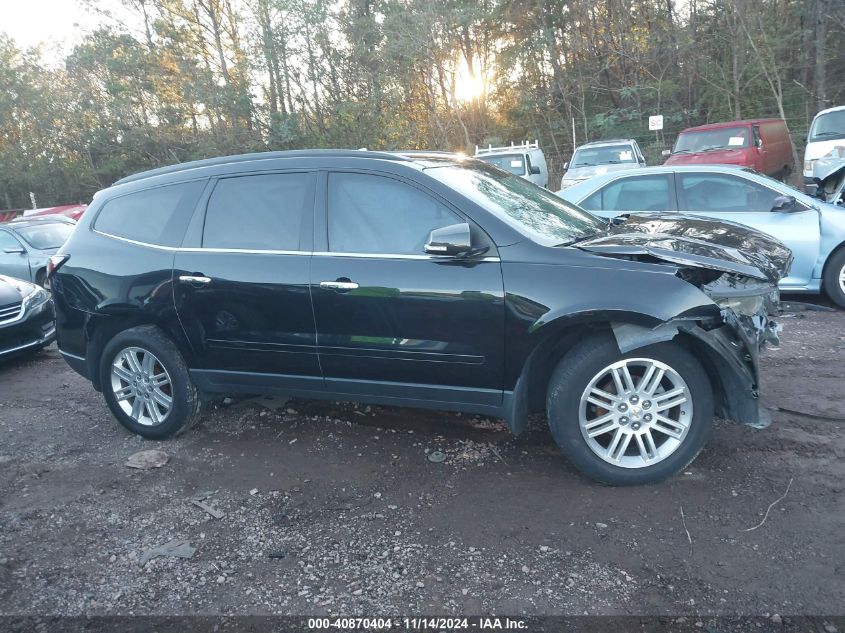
(418, 623)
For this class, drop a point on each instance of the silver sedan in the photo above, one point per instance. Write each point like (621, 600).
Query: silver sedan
(27, 243)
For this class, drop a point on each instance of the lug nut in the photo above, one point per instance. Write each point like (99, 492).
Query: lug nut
(636, 426)
(647, 417)
(634, 399)
(623, 420)
(623, 407)
(646, 404)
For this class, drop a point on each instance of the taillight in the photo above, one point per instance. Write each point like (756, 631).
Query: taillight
(55, 262)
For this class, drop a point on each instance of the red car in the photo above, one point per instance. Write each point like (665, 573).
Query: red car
(73, 211)
(761, 144)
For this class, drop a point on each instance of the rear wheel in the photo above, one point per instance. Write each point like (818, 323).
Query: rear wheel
(834, 278)
(633, 418)
(146, 384)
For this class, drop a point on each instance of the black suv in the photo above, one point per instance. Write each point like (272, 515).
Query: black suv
(416, 279)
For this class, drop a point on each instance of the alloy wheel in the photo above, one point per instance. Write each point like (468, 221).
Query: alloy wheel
(141, 386)
(635, 412)
(842, 279)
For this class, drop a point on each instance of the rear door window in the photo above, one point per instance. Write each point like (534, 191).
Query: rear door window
(263, 212)
(639, 193)
(156, 216)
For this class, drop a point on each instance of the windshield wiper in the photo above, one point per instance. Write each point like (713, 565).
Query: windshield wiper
(828, 134)
(682, 151)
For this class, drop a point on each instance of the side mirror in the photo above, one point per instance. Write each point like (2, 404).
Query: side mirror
(566, 165)
(534, 170)
(785, 204)
(14, 250)
(450, 240)
(666, 152)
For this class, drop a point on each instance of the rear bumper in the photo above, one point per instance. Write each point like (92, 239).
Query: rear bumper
(33, 331)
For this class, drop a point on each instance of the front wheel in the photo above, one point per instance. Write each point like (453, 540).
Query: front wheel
(627, 419)
(834, 278)
(146, 383)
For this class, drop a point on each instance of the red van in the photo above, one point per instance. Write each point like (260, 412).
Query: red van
(762, 144)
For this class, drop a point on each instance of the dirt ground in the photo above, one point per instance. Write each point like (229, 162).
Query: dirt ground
(333, 508)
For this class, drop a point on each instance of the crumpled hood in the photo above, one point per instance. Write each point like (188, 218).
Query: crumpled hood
(828, 167)
(690, 240)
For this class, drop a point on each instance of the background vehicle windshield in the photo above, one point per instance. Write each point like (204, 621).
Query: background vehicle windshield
(704, 141)
(533, 211)
(828, 126)
(46, 235)
(605, 155)
(514, 163)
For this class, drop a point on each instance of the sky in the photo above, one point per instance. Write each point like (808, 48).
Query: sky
(57, 24)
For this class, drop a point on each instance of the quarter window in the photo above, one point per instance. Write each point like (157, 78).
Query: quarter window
(374, 214)
(154, 216)
(258, 212)
(639, 193)
(722, 192)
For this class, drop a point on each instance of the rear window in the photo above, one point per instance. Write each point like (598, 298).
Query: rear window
(154, 216)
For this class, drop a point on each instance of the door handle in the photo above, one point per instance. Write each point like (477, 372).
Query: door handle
(195, 280)
(338, 285)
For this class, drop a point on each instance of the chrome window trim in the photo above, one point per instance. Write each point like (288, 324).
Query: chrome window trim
(249, 251)
(397, 256)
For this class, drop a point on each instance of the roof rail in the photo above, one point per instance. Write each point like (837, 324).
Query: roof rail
(506, 148)
(240, 158)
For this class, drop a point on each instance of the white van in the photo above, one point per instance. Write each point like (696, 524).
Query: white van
(526, 160)
(825, 138)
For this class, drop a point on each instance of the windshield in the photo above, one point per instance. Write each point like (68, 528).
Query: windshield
(604, 155)
(514, 163)
(533, 211)
(46, 235)
(828, 126)
(707, 140)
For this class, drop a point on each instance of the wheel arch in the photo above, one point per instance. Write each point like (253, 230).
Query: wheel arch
(529, 394)
(552, 340)
(100, 329)
(836, 250)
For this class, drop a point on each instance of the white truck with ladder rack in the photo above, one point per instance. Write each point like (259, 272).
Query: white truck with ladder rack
(525, 160)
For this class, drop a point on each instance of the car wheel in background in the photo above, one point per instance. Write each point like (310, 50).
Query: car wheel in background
(146, 383)
(627, 419)
(834, 278)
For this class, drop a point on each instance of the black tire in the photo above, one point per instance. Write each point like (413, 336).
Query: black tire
(833, 270)
(186, 401)
(574, 373)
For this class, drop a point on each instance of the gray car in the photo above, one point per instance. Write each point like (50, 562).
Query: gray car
(27, 243)
(601, 157)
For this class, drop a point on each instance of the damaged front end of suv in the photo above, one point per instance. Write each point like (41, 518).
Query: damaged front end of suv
(738, 270)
